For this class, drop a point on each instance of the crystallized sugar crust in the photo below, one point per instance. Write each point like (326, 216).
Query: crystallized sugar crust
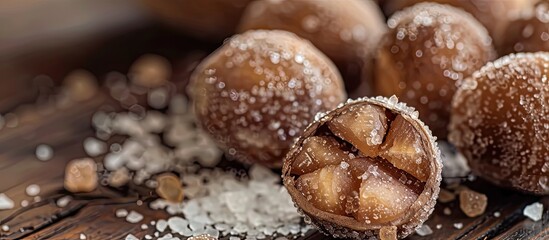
(258, 92)
(500, 121)
(429, 49)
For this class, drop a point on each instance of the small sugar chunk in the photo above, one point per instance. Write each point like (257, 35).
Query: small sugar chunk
(134, 217)
(94, 147)
(119, 177)
(5, 228)
(81, 175)
(534, 211)
(439, 226)
(424, 230)
(63, 201)
(472, 203)
(24, 203)
(497, 214)
(169, 187)
(44, 152)
(148, 236)
(178, 224)
(447, 211)
(82, 236)
(6, 202)
(144, 227)
(121, 213)
(458, 225)
(161, 225)
(32, 190)
(131, 237)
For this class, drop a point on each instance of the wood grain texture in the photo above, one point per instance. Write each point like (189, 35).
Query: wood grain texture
(93, 213)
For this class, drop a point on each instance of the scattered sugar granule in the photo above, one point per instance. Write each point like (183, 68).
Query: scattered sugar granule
(119, 177)
(131, 237)
(161, 225)
(458, 225)
(472, 203)
(81, 175)
(94, 147)
(82, 236)
(37, 199)
(63, 201)
(169, 187)
(121, 213)
(439, 226)
(447, 211)
(24, 203)
(148, 236)
(32, 190)
(134, 217)
(144, 227)
(424, 230)
(178, 224)
(6, 202)
(534, 211)
(5, 228)
(44, 152)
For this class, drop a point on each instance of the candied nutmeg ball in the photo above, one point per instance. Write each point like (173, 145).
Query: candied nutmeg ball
(212, 20)
(529, 33)
(364, 167)
(347, 31)
(500, 122)
(258, 91)
(428, 50)
(495, 15)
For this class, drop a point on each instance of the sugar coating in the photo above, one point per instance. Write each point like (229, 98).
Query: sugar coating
(428, 50)
(529, 32)
(258, 91)
(347, 32)
(326, 23)
(494, 15)
(500, 121)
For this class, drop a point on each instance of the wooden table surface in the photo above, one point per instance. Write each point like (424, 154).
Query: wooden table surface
(93, 213)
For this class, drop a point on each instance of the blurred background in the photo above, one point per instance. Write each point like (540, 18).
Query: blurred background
(42, 41)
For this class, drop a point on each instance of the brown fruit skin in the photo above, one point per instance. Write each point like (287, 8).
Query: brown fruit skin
(422, 62)
(258, 91)
(347, 31)
(495, 15)
(348, 227)
(211, 20)
(500, 122)
(529, 33)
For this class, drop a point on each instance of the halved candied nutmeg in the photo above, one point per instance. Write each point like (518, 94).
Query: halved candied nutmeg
(368, 165)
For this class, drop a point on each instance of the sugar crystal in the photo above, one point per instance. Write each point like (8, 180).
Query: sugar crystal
(6, 202)
(134, 217)
(534, 211)
(44, 152)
